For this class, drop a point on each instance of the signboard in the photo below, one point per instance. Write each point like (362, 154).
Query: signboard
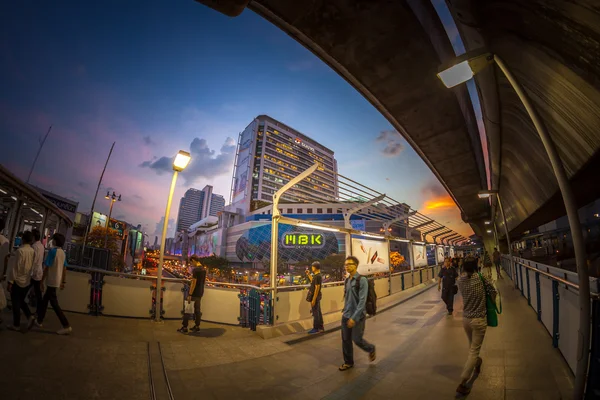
(451, 251)
(439, 254)
(373, 256)
(117, 226)
(420, 255)
(359, 224)
(98, 220)
(303, 240)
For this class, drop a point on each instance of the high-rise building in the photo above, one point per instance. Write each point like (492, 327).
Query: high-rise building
(196, 205)
(269, 154)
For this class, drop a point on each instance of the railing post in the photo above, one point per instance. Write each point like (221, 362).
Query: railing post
(539, 295)
(593, 385)
(402, 280)
(421, 275)
(555, 314)
(528, 287)
(521, 276)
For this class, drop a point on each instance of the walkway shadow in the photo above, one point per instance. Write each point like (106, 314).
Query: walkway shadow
(449, 371)
(209, 333)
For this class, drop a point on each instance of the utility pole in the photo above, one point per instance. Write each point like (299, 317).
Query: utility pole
(38, 153)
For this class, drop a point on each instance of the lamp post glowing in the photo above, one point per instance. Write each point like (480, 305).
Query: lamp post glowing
(464, 69)
(182, 159)
(112, 199)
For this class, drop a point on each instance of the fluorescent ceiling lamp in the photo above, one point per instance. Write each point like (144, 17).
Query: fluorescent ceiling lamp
(488, 222)
(2, 191)
(402, 240)
(14, 198)
(323, 228)
(489, 231)
(419, 242)
(371, 236)
(182, 159)
(483, 195)
(456, 74)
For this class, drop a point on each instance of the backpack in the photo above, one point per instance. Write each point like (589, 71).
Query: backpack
(371, 302)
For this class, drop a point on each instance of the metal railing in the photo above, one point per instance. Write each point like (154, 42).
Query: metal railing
(553, 295)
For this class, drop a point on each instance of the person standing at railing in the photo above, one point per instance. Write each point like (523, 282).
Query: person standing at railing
(447, 282)
(314, 296)
(55, 276)
(354, 314)
(195, 294)
(19, 279)
(496, 257)
(472, 287)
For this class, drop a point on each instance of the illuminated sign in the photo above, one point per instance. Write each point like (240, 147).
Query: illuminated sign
(304, 240)
(301, 143)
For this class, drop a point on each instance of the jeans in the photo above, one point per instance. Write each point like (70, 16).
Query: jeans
(317, 316)
(448, 297)
(498, 269)
(355, 335)
(18, 295)
(197, 313)
(475, 329)
(37, 290)
(50, 297)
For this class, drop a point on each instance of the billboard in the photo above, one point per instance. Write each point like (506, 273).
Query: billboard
(451, 251)
(241, 178)
(373, 255)
(98, 220)
(439, 254)
(118, 227)
(205, 245)
(420, 255)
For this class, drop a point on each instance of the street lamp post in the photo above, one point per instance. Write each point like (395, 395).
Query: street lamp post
(463, 69)
(181, 161)
(113, 198)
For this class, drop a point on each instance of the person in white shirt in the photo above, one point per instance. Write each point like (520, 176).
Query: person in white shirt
(37, 273)
(55, 277)
(19, 279)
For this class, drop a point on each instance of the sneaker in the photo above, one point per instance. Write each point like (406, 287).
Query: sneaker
(372, 355)
(65, 331)
(313, 331)
(478, 365)
(32, 321)
(182, 330)
(463, 389)
(195, 329)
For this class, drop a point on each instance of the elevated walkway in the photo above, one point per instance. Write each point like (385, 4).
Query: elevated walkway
(421, 352)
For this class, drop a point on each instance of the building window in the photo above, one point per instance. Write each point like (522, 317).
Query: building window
(319, 211)
(309, 210)
(290, 210)
(281, 211)
(330, 211)
(298, 211)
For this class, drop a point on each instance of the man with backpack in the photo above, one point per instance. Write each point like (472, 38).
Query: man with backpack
(356, 292)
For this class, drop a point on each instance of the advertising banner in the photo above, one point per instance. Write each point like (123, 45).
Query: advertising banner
(420, 255)
(451, 251)
(117, 226)
(373, 256)
(98, 220)
(439, 258)
(242, 168)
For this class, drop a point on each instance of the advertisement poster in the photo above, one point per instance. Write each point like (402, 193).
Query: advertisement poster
(244, 158)
(439, 258)
(420, 255)
(98, 220)
(205, 245)
(373, 255)
(117, 226)
(451, 251)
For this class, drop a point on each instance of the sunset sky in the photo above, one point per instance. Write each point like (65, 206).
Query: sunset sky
(156, 77)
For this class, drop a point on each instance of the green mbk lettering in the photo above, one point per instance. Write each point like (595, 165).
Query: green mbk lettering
(303, 240)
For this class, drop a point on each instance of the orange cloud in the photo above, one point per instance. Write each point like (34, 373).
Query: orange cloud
(439, 203)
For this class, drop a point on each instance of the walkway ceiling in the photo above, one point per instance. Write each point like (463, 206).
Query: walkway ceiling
(390, 52)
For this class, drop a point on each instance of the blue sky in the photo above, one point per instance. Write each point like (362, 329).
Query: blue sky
(154, 76)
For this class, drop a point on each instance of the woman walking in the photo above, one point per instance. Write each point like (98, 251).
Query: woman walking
(473, 287)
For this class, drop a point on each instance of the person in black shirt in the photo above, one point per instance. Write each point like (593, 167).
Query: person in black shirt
(195, 294)
(447, 283)
(316, 283)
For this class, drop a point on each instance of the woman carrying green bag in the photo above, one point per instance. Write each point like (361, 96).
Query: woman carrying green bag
(473, 288)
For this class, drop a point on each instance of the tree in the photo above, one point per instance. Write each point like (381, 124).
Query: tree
(96, 239)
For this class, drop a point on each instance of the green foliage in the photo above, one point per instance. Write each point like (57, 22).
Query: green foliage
(96, 239)
(212, 261)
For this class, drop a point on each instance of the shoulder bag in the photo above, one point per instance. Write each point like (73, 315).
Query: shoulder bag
(492, 309)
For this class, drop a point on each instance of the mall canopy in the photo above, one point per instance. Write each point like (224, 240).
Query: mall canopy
(22, 207)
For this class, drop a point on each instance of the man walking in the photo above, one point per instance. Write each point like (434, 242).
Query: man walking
(195, 294)
(55, 276)
(37, 272)
(496, 257)
(316, 282)
(354, 315)
(447, 283)
(19, 279)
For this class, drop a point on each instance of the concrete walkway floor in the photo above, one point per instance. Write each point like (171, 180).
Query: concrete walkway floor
(420, 354)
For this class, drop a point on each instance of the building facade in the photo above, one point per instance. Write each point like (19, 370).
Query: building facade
(196, 205)
(269, 154)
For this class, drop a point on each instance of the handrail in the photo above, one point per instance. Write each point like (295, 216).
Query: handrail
(554, 277)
